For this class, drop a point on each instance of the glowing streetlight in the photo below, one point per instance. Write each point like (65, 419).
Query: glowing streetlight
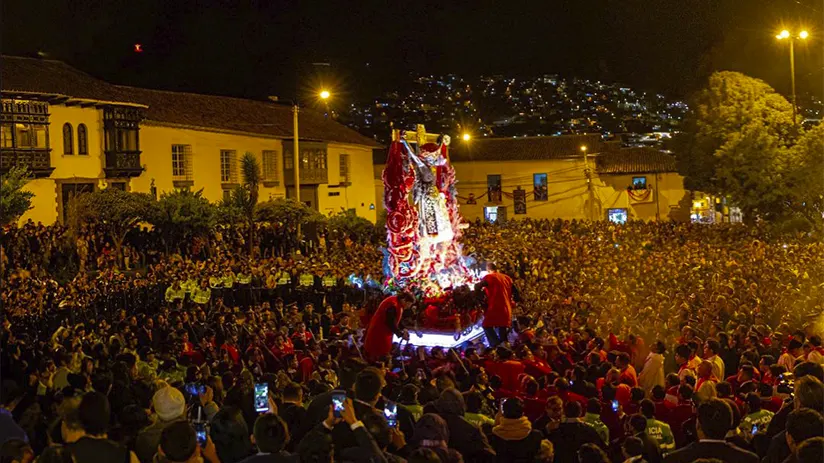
(324, 94)
(583, 148)
(786, 35)
(466, 137)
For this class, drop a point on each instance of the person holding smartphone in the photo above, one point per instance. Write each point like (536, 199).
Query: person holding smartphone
(385, 323)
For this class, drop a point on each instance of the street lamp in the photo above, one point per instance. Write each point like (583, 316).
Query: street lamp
(466, 137)
(323, 95)
(786, 35)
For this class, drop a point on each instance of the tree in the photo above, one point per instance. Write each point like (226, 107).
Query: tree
(115, 210)
(804, 176)
(244, 198)
(287, 212)
(347, 223)
(180, 216)
(736, 143)
(14, 200)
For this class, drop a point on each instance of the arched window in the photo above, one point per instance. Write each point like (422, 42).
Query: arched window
(68, 140)
(82, 143)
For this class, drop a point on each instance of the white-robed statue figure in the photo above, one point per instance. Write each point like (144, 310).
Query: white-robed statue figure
(434, 224)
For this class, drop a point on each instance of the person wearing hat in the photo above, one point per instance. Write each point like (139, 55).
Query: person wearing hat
(169, 407)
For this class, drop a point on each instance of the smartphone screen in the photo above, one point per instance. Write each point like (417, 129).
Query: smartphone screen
(390, 411)
(615, 405)
(338, 398)
(192, 389)
(754, 429)
(262, 397)
(200, 432)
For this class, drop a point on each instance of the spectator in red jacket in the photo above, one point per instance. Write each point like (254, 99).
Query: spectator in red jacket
(628, 375)
(507, 368)
(681, 413)
(663, 407)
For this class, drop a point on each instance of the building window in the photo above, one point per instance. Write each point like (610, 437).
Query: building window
(121, 126)
(82, 139)
(227, 195)
(493, 187)
(182, 162)
(68, 139)
(344, 169)
(228, 166)
(639, 183)
(31, 136)
(539, 185)
(270, 167)
(6, 137)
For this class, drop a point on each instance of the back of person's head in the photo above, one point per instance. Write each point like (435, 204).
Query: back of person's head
(638, 423)
(632, 447)
(178, 442)
(723, 388)
(10, 392)
(169, 403)
(808, 369)
(378, 428)
(474, 401)
(803, 424)
(572, 409)
(316, 447)
(608, 392)
(409, 394)
(753, 402)
(672, 380)
(636, 394)
(685, 392)
(16, 451)
(683, 351)
(513, 408)
(292, 391)
(271, 433)
(591, 453)
(648, 408)
(593, 406)
(451, 402)
(368, 384)
(94, 413)
(658, 392)
(810, 451)
(230, 435)
(430, 427)
(715, 418)
(350, 368)
(809, 393)
(562, 384)
(765, 390)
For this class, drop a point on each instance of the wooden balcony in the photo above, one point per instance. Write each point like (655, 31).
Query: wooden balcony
(123, 164)
(37, 160)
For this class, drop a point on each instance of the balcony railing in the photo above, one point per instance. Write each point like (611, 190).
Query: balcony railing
(37, 160)
(123, 164)
(307, 176)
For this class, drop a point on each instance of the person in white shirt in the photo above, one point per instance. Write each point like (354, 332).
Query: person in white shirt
(711, 349)
(652, 374)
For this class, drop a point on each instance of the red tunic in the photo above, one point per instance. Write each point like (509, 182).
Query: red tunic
(499, 300)
(378, 341)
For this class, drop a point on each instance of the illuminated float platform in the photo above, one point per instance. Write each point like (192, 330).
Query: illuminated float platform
(440, 338)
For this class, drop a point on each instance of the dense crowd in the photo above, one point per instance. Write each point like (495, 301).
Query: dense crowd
(637, 342)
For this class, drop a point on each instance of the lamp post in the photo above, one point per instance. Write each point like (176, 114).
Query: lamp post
(323, 95)
(786, 35)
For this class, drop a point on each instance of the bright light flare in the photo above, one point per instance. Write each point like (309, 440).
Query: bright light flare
(466, 137)
(324, 94)
(803, 34)
(785, 34)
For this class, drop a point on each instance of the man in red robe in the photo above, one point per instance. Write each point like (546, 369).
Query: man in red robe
(500, 295)
(385, 322)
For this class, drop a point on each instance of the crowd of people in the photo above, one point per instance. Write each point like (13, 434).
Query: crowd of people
(637, 342)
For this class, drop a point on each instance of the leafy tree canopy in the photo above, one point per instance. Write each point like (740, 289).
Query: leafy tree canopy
(14, 200)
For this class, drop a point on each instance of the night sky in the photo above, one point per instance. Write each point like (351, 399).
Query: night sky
(231, 48)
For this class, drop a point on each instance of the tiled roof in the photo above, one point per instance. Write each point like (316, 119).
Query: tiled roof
(635, 161)
(179, 108)
(515, 149)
